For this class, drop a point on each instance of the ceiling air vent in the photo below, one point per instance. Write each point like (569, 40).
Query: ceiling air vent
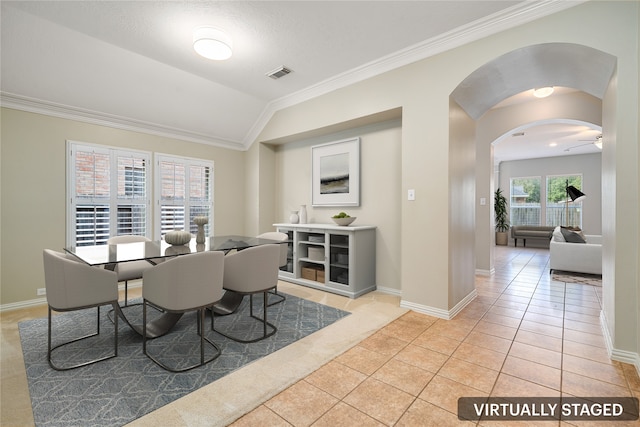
(279, 72)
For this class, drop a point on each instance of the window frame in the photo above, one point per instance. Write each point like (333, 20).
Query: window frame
(570, 206)
(511, 196)
(188, 204)
(112, 200)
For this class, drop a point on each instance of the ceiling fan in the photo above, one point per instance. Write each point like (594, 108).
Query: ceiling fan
(597, 142)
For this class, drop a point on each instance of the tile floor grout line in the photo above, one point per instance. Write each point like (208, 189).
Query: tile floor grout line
(519, 323)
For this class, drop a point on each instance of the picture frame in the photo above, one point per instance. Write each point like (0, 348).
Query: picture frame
(336, 173)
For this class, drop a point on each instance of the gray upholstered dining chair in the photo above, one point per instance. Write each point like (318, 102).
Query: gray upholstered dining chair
(252, 271)
(281, 237)
(129, 270)
(185, 283)
(72, 285)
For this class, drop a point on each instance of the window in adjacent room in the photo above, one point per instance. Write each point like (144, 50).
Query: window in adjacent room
(109, 193)
(559, 211)
(525, 201)
(184, 190)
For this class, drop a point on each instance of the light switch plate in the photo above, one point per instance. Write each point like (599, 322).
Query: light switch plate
(411, 194)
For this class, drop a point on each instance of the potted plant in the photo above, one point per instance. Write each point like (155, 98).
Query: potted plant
(500, 212)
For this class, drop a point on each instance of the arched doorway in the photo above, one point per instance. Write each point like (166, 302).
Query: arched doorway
(551, 64)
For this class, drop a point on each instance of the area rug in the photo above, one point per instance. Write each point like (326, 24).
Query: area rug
(571, 277)
(122, 389)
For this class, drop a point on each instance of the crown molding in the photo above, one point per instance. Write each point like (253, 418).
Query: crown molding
(500, 21)
(33, 105)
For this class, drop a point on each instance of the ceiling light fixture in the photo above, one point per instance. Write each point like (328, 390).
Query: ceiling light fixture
(543, 92)
(212, 43)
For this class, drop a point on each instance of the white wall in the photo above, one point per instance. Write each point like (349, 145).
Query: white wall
(588, 165)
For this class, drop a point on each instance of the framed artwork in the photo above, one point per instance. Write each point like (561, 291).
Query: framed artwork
(336, 173)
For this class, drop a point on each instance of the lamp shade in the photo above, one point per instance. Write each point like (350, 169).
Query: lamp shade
(212, 43)
(575, 194)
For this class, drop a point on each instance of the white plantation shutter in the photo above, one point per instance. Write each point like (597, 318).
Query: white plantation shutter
(132, 196)
(108, 193)
(186, 191)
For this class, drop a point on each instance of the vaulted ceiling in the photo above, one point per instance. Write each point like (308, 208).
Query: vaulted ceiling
(130, 64)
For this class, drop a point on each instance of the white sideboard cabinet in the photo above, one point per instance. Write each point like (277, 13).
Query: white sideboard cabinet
(333, 258)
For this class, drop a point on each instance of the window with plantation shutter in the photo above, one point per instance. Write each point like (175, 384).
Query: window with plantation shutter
(185, 191)
(108, 192)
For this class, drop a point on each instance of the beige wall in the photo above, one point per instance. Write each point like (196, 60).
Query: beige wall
(379, 190)
(34, 187)
(462, 209)
(422, 90)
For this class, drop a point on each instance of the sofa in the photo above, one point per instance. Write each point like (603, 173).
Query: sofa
(536, 232)
(576, 257)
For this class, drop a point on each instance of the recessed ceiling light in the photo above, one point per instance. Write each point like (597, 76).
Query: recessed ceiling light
(543, 92)
(553, 144)
(212, 43)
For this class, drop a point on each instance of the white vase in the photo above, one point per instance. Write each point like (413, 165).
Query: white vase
(200, 221)
(293, 218)
(303, 214)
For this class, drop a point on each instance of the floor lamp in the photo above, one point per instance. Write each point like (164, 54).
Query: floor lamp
(575, 195)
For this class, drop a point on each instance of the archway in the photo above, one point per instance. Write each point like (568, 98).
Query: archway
(552, 64)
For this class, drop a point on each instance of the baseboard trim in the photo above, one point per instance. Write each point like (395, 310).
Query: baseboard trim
(487, 273)
(40, 301)
(22, 304)
(389, 291)
(438, 312)
(614, 353)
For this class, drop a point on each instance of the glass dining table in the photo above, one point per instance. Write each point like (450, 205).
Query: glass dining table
(158, 251)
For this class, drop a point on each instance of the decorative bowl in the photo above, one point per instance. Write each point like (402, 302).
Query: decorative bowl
(177, 237)
(344, 221)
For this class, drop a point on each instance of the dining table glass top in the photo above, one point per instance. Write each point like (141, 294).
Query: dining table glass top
(138, 251)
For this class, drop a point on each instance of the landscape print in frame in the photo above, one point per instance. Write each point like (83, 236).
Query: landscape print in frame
(336, 173)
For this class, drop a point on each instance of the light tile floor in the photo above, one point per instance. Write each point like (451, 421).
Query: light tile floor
(524, 335)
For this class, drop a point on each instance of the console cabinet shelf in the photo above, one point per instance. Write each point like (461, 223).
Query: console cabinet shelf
(330, 257)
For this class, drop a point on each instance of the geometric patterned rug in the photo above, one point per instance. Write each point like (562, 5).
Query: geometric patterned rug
(119, 390)
(571, 277)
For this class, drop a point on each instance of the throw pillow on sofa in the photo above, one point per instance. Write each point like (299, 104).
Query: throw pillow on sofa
(557, 235)
(572, 236)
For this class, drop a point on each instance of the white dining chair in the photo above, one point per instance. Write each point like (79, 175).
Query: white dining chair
(72, 285)
(252, 271)
(131, 270)
(284, 248)
(179, 285)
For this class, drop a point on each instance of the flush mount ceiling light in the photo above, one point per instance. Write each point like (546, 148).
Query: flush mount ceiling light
(212, 43)
(543, 92)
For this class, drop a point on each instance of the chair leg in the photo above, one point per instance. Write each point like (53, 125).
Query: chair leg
(265, 323)
(280, 297)
(199, 331)
(50, 350)
(126, 293)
